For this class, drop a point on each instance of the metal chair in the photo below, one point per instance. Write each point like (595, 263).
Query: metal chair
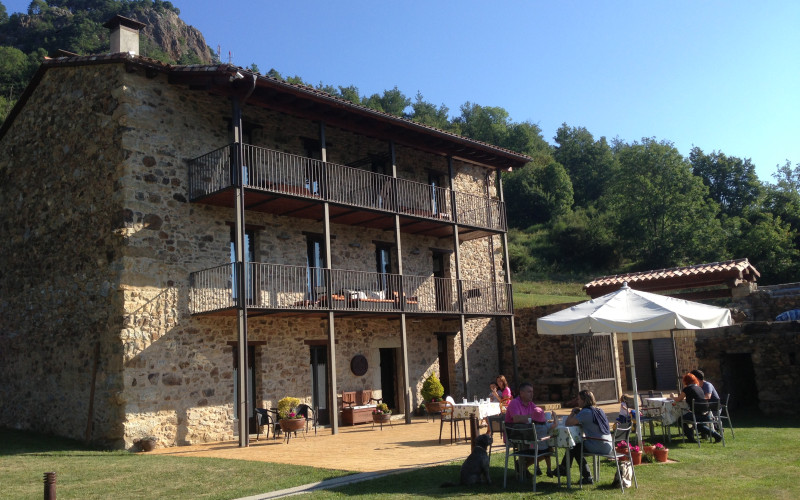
(724, 415)
(495, 424)
(265, 419)
(709, 413)
(620, 434)
(522, 443)
(447, 416)
(304, 410)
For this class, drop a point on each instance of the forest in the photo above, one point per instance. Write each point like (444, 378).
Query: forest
(583, 206)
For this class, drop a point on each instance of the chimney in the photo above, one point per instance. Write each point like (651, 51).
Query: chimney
(124, 34)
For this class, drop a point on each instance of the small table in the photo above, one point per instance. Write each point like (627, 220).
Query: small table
(566, 437)
(667, 410)
(477, 408)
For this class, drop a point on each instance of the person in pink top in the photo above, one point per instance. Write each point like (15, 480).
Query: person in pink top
(522, 410)
(500, 390)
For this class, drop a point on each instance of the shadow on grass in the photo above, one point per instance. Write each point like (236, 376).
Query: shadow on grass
(16, 442)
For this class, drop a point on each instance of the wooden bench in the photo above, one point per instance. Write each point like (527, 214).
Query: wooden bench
(357, 407)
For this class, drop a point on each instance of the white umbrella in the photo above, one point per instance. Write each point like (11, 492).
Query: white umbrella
(633, 311)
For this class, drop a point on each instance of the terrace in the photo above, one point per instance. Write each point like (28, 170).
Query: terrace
(296, 186)
(283, 288)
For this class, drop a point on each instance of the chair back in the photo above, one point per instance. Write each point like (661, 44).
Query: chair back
(520, 435)
(622, 433)
(348, 398)
(705, 407)
(504, 404)
(496, 423)
(447, 412)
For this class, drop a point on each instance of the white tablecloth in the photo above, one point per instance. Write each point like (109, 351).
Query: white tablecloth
(566, 437)
(481, 410)
(665, 409)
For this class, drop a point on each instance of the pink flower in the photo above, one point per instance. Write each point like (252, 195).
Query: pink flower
(659, 446)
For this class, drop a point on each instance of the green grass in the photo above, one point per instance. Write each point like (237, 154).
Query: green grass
(85, 473)
(761, 462)
(541, 293)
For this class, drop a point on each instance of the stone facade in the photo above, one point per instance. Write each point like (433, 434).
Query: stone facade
(100, 240)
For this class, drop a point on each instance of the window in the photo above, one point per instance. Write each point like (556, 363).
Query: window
(249, 241)
(315, 264)
(383, 265)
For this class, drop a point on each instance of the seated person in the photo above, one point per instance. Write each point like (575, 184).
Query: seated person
(692, 392)
(522, 410)
(500, 390)
(594, 422)
(708, 388)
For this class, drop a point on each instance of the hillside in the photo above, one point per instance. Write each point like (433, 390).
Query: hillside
(77, 26)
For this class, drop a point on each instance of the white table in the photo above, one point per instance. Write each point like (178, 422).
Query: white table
(667, 410)
(479, 409)
(566, 437)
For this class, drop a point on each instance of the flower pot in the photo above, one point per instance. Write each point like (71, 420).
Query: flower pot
(147, 444)
(661, 454)
(379, 418)
(636, 456)
(434, 407)
(648, 449)
(292, 424)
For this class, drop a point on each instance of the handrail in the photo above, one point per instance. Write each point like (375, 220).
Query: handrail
(293, 175)
(278, 286)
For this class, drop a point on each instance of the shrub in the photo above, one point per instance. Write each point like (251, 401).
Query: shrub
(431, 388)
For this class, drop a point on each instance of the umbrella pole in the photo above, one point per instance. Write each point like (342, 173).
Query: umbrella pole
(635, 390)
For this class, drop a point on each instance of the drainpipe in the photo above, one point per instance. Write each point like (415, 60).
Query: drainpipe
(237, 166)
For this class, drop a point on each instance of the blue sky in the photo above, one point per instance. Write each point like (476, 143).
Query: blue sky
(720, 75)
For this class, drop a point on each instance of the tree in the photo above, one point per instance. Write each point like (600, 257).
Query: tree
(732, 182)
(392, 102)
(662, 212)
(3, 14)
(590, 163)
(428, 114)
(536, 194)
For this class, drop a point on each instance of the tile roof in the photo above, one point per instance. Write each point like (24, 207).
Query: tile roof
(730, 272)
(218, 75)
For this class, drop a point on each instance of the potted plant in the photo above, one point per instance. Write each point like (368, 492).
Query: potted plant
(147, 443)
(660, 452)
(432, 392)
(636, 452)
(289, 419)
(381, 413)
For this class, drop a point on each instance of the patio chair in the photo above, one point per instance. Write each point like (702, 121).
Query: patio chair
(447, 416)
(523, 443)
(709, 416)
(724, 415)
(264, 420)
(304, 410)
(495, 423)
(620, 434)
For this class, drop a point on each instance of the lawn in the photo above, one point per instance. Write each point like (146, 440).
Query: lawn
(761, 462)
(541, 293)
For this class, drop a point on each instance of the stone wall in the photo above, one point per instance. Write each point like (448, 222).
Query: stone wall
(60, 296)
(756, 362)
(541, 357)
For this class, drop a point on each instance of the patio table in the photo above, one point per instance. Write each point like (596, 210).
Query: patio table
(566, 437)
(480, 409)
(667, 410)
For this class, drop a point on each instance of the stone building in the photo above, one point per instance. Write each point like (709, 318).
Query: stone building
(182, 244)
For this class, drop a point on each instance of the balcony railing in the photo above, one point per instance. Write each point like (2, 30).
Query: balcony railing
(274, 171)
(274, 286)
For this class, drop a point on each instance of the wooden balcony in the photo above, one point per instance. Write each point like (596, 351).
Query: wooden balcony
(295, 186)
(274, 288)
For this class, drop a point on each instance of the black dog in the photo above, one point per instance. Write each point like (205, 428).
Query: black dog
(476, 467)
